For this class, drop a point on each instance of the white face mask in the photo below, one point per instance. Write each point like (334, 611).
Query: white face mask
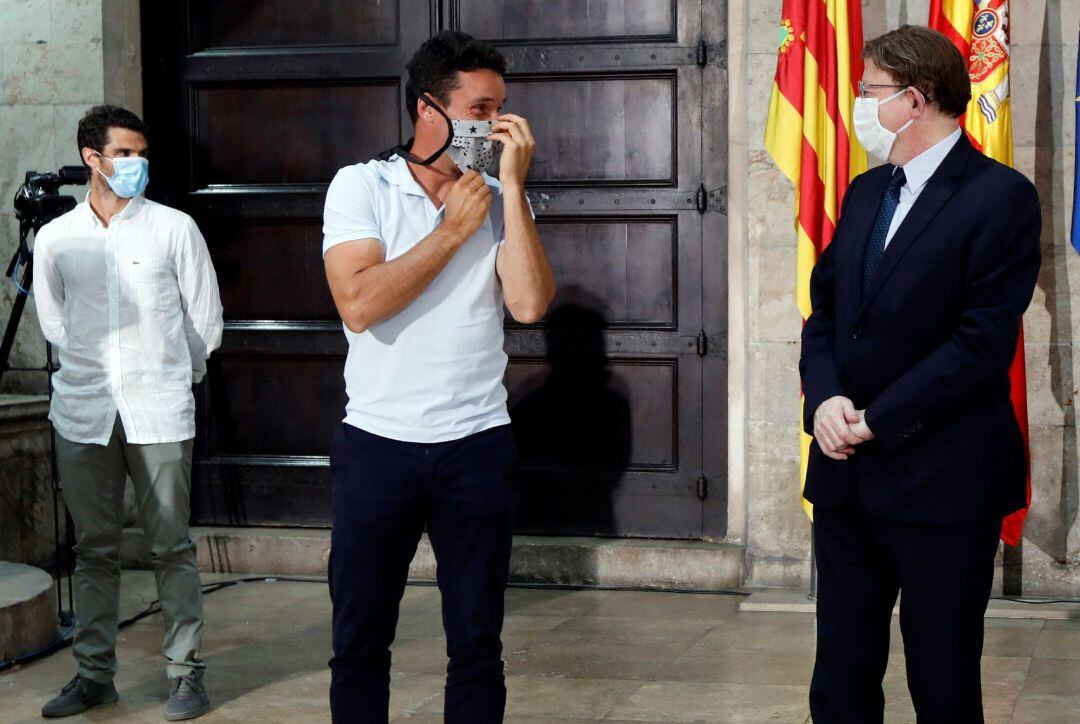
(874, 137)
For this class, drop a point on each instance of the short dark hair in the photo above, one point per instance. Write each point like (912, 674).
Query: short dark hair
(434, 67)
(94, 126)
(925, 59)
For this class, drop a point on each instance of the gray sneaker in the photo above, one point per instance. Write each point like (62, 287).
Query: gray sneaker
(79, 695)
(187, 699)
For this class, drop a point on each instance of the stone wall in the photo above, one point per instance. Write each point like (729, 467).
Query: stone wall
(1043, 84)
(26, 501)
(53, 56)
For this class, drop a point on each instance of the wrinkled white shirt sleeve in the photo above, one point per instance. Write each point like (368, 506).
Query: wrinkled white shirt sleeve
(200, 297)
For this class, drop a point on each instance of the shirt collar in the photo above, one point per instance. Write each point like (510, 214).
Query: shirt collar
(396, 172)
(919, 169)
(129, 211)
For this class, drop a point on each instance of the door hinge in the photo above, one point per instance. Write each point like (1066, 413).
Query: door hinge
(702, 53)
(715, 200)
(702, 343)
(702, 487)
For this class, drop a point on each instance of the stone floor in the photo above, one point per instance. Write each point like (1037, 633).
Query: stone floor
(581, 656)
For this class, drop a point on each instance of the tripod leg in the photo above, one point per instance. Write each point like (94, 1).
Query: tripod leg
(13, 320)
(63, 556)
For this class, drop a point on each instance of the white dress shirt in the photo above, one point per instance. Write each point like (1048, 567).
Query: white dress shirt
(134, 312)
(918, 171)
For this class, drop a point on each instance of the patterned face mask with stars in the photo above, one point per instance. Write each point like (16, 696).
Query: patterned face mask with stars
(469, 148)
(466, 143)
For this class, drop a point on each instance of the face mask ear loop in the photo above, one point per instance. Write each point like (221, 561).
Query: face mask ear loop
(98, 169)
(910, 121)
(449, 136)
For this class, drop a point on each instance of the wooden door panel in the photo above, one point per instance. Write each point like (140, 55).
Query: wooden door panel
(263, 264)
(567, 19)
(287, 23)
(601, 503)
(270, 491)
(613, 130)
(290, 134)
(266, 405)
(622, 269)
(582, 411)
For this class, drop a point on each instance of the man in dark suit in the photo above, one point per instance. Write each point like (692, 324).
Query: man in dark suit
(917, 455)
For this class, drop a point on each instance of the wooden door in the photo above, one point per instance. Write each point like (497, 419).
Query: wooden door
(255, 105)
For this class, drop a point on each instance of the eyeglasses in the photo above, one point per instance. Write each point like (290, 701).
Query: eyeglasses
(863, 87)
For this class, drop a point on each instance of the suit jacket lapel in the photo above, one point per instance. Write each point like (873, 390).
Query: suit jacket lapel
(939, 189)
(861, 224)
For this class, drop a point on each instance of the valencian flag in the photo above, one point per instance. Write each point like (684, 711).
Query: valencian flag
(809, 131)
(980, 30)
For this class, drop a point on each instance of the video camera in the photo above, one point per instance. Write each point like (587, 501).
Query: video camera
(38, 201)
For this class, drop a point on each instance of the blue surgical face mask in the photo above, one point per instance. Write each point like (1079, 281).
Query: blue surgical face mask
(130, 175)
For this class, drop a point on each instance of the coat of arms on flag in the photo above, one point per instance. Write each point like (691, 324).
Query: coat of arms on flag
(989, 52)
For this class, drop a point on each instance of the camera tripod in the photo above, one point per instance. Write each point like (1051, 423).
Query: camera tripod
(36, 203)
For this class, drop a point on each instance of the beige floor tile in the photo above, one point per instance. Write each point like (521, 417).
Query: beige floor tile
(741, 666)
(593, 660)
(1011, 638)
(695, 702)
(560, 698)
(1059, 677)
(555, 602)
(789, 632)
(1046, 709)
(1059, 642)
(652, 604)
(630, 631)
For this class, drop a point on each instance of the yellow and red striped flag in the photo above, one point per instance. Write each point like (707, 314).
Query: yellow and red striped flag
(809, 131)
(980, 30)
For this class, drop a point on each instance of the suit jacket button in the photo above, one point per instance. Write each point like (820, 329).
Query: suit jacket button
(857, 334)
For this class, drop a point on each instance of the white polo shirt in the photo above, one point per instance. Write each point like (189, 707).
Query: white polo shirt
(434, 371)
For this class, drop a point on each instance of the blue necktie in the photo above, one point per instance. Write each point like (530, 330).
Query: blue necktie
(876, 246)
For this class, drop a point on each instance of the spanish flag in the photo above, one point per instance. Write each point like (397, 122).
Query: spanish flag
(980, 30)
(809, 131)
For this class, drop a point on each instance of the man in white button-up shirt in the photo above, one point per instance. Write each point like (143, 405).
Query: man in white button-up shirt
(127, 294)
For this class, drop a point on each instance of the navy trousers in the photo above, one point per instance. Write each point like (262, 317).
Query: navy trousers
(945, 574)
(384, 494)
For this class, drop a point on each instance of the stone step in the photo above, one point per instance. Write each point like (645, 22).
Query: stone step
(619, 562)
(789, 600)
(27, 610)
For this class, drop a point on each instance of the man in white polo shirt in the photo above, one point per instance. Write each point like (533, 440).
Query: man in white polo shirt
(422, 249)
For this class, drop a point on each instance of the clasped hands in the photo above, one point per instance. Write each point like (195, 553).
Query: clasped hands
(839, 427)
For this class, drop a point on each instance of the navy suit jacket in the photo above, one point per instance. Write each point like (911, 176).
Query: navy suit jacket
(926, 352)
